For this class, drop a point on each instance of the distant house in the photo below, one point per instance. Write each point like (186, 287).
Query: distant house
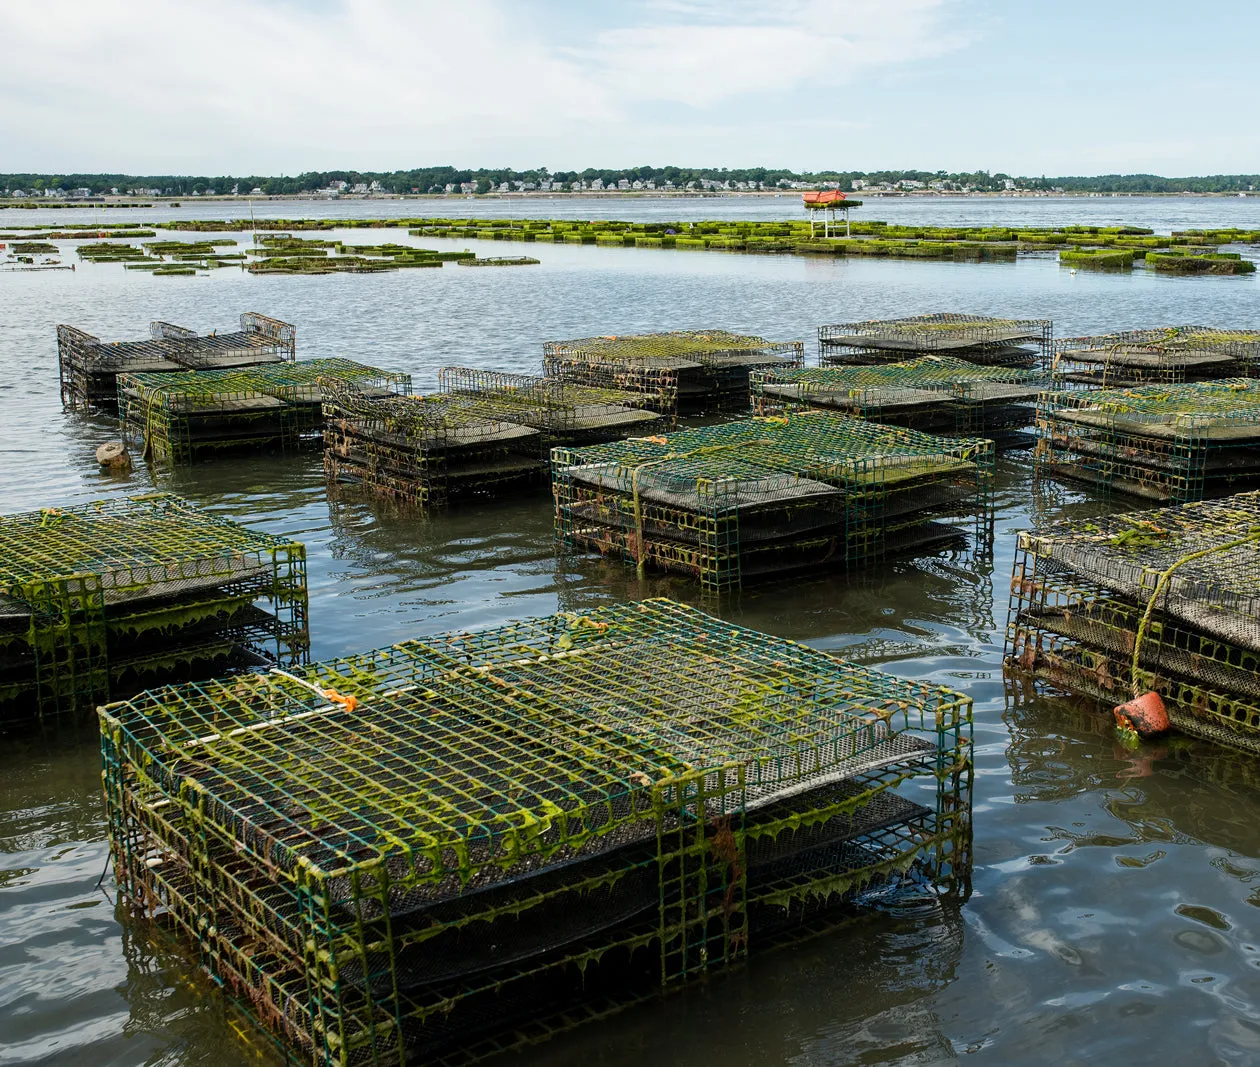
(360, 188)
(598, 183)
(375, 187)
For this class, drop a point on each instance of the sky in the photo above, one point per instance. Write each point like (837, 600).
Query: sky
(1028, 87)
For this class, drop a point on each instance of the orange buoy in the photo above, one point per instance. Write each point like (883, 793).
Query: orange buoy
(1146, 715)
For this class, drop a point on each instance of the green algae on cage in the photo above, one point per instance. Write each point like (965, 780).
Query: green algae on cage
(975, 338)
(1166, 354)
(767, 496)
(1162, 600)
(1167, 443)
(683, 372)
(386, 857)
(181, 417)
(99, 598)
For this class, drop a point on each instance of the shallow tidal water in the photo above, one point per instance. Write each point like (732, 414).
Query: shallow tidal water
(1116, 903)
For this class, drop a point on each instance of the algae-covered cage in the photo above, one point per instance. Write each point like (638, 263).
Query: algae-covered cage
(1164, 600)
(937, 394)
(1166, 443)
(89, 367)
(769, 496)
(100, 599)
(975, 338)
(181, 417)
(1166, 355)
(683, 372)
(402, 854)
(566, 413)
(425, 450)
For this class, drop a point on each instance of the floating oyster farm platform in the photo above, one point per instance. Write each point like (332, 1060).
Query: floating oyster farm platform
(1165, 356)
(974, 338)
(462, 843)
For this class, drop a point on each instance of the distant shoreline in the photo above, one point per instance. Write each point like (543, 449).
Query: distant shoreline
(867, 195)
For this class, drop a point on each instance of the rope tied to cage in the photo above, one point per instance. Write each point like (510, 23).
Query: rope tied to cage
(640, 553)
(331, 695)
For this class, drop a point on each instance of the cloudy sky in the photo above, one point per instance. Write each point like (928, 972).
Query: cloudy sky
(281, 86)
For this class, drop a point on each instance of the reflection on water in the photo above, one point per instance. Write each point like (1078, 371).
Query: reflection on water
(1115, 895)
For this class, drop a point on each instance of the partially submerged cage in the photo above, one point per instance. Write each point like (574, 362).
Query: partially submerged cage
(974, 338)
(1163, 356)
(89, 367)
(417, 851)
(98, 600)
(1165, 601)
(182, 417)
(1167, 443)
(566, 413)
(770, 496)
(937, 394)
(425, 450)
(681, 373)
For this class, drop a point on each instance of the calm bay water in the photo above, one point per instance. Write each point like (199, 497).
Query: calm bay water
(1116, 894)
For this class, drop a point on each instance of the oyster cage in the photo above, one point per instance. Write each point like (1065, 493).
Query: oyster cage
(179, 418)
(1165, 600)
(413, 853)
(682, 373)
(936, 394)
(1167, 443)
(975, 338)
(99, 600)
(1164, 356)
(89, 367)
(769, 496)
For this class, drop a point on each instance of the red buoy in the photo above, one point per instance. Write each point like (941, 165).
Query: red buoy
(1146, 715)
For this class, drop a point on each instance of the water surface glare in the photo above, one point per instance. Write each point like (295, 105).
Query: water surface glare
(1116, 894)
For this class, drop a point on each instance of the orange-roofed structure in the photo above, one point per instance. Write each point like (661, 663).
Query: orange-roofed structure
(828, 201)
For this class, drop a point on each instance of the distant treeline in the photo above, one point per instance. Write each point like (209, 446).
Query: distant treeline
(437, 179)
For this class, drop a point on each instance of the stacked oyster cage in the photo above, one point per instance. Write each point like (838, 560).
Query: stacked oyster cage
(98, 600)
(457, 844)
(937, 394)
(90, 367)
(1167, 443)
(1164, 600)
(767, 496)
(485, 432)
(686, 372)
(564, 412)
(181, 417)
(974, 338)
(1164, 356)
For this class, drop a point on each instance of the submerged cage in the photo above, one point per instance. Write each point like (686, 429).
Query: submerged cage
(975, 338)
(1167, 443)
(425, 450)
(939, 394)
(181, 417)
(89, 367)
(403, 854)
(768, 496)
(1166, 600)
(564, 412)
(98, 600)
(683, 372)
(1165, 356)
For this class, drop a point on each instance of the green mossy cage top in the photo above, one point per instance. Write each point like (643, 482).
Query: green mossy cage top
(135, 547)
(1218, 410)
(1161, 354)
(472, 758)
(676, 350)
(976, 338)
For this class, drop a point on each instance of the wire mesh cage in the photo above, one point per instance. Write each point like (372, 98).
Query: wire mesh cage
(102, 598)
(89, 367)
(182, 417)
(941, 394)
(1166, 600)
(975, 338)
(682, 372)
(1163, 356)
(384, 857)
(1167, 443)
(565, 412)
(425, 450)
(769, 496)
